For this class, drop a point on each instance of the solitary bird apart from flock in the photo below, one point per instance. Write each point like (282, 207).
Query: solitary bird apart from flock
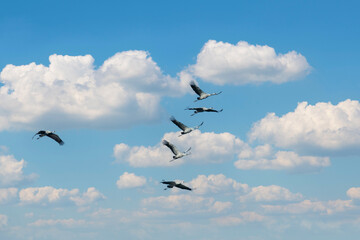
(49, 134)
(171, 184)
(177, 153)
(185, 129)
(202, 109)
(198, 91)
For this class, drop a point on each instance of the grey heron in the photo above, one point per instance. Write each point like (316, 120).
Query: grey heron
(49, 134)
(177, 153)
(201, 93)
(202, 109)
(185, 129)
(171, 184)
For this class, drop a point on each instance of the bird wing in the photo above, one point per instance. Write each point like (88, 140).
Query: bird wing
(38, 133)
(197, 127)
(56, 138)
(196, 88)
(171, 146)
(179, 124)
(180, 185)
(168, 182)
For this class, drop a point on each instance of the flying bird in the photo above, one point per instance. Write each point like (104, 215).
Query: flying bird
(171, 184)
(49, 134)
(202, 109)
(201, 93)
(177, 153)
(185, 129)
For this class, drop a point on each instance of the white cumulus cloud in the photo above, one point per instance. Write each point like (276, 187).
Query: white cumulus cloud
(225, 63)
(242, 218)
(320, 128)
(263, 158)
(353, 193)
(49, 195)
(186, 203)
(3, 221)
(206, 147)
(71, 92)
(11, 171)
(130, 180)
(217, 184)
(63, 222)
(308, 206)
(90, 196)
(7, 194)
(270, 193)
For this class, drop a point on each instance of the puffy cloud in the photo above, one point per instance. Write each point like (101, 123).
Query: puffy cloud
(217, 184)
(47, 195)
(281, 160)
(236, 220)
(11, 171)
(90, 196)
(3, 221)
(130, 180)
(270, 193)
(63, 222)
(353, 193)
(225, 63)
(219, 207)
(308, 206)
(206, 147)
(6, 194)
(71, 92)
(187, 203)
(315, 128)
(44, 195)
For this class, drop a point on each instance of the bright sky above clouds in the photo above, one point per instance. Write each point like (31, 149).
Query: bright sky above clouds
(279, 162)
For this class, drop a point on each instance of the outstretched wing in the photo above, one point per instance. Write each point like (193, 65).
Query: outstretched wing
(168, 182)
(213, 110)
(171, 146)
(191, 108)
(179, 124)
(56, 138)
(38, 133)
(180, 185)
(216, 93)
(196, 88)
(197, 127)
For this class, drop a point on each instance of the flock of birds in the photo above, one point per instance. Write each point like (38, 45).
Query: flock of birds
(185, 130)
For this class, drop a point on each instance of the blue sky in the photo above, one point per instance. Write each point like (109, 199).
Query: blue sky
(280, 162)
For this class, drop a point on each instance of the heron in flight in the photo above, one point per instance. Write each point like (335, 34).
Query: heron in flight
(171, 184)
(185, 129)
(202, 109)
(177, 153)
(201, 93)
(49, 134)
